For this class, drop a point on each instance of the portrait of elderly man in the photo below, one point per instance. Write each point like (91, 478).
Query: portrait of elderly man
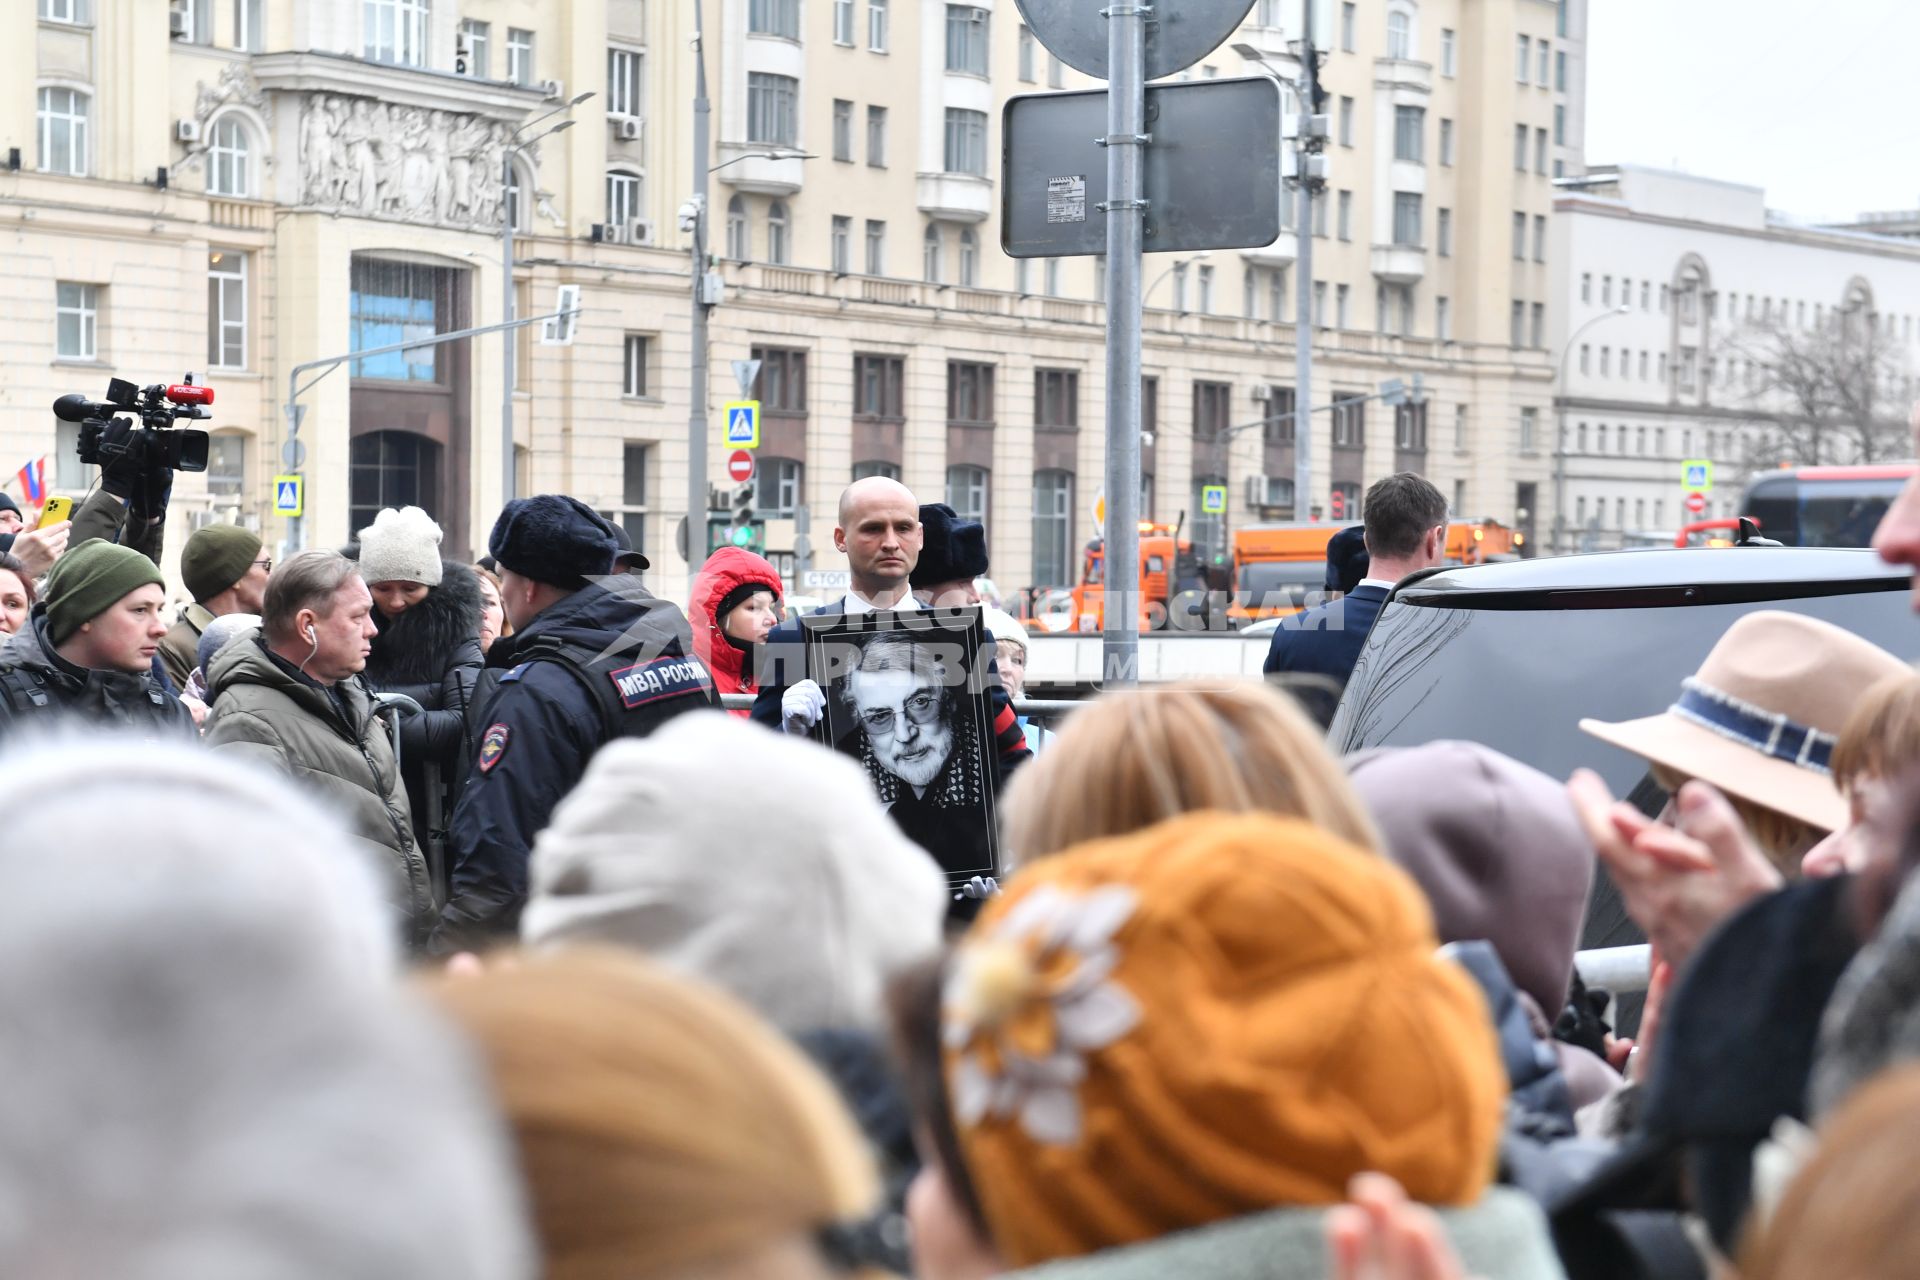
(914, 725)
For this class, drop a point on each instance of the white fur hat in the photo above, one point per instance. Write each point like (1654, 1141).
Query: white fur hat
(755, 861)
(401, 546)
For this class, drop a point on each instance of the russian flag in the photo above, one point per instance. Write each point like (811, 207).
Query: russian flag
(32, 479)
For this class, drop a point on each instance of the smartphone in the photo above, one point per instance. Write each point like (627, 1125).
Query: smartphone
(58, 509)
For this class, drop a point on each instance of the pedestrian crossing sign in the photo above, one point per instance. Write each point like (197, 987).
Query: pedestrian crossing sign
(289, 496)
(1696, 475)
(743, 424)
(1213, 499)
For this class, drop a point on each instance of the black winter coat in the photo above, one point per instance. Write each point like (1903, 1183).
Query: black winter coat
(431, 653)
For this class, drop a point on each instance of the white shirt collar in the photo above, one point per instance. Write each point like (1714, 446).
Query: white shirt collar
(1381, 583)
(854, 603)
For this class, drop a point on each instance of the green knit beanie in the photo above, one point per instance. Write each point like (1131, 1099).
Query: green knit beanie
(87, 581)
(215, 558)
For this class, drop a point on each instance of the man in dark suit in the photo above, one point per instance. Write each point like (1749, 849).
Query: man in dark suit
(1406, 531)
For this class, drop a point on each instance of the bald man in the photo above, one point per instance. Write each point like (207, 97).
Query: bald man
(879, 532)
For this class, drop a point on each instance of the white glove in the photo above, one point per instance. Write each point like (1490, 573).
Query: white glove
(978, 888)
(801, 707)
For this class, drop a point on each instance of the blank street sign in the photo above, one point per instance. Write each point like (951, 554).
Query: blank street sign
(1211, 174)
(1179, 32)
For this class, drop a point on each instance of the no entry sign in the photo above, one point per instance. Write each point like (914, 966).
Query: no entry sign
(740, 466)
(1696, 502)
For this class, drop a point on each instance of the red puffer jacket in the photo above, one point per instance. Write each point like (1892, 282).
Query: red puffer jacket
(725, 570)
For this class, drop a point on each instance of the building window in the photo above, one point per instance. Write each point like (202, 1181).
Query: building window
(1537, 328)
(1546, 63)
(1342, 295)
(877, 387)
(1559, 125)
(639, 350)
(1052, 528)
(1410, 428)
(782, 385)
(778, 247)
(623, 198)
(967, 492)
(877, 25)
(1522, 59)
(475, 40)
(1446, 143)
(969, 393)
(1027, 46)
(770, 109)
(1586, 286)
(1586, 353)
(843, 22)
(249, 33)
(1056, 399)
(876, 248)
(1346, 26)
(1320, 304)
(842, 129)
(74, 11)
(623, 82)
(1539, 237)
(1056, 73)
(226, 309)
(875, 470)
(519, 56)
(1606, 362)
(1399, 36)
(227, 469)
(776, 492)
(389, 302)
(774, 18)
(1409, 130)
(229, 159)
(76, 314)
(396, 31)
(1560, 70)
(1320, 213)
(1540, 151)
(1050, 278)
(391, 469)
(1520, 147)
(1206, 289)
(966, 142)
(877, 137)
(1449, 53)
(63, 121)
(1349, 421)
(631, 514)
(842, 247)
(969, 258)
(1460, 428)
(1406, 218)
(1277, 294)
(1519, 237)
(198, 16)
(1346, 122)
(1343, 222)
(1443, 233)
(967, 30)
(739, 247)
(1516, 324)
(1529, 427)
(1443, 319)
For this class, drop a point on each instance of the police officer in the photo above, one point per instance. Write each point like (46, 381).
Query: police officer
(593, 656)
(88, 647)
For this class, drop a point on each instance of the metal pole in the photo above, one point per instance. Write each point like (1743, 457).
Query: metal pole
(507, 336)
(1303, 318)
(697, 391)
(1126, 217)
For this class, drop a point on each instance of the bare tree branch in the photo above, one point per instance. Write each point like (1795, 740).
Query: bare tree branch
(1830, 394)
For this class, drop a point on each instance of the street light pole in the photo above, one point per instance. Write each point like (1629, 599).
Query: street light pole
(1180, 304)
(1560, 536)
(508, 337)
(697, 392)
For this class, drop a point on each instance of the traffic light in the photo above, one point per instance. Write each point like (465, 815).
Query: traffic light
(741, 529)
(1337, 505)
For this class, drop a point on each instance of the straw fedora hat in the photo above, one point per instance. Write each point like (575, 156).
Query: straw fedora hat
(1760, 717)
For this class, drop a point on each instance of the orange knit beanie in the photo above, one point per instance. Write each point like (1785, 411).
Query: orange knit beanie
(1215, 1016)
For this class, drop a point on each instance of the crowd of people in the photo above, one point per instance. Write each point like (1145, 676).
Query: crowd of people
(385, 915)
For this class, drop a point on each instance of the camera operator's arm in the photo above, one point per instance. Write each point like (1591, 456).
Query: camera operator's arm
(130, 507)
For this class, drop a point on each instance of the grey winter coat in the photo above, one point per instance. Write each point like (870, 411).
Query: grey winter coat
(334, 747)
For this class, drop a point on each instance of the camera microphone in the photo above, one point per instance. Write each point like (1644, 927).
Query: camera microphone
(77, 408)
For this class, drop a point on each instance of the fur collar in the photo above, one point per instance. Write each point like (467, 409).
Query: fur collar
(418, 646)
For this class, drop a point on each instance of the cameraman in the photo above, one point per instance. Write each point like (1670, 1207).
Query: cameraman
(130, 506)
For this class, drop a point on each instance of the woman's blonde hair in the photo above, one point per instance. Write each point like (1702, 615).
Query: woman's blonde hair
(1132, 759)
(1881, 738)
(1783, 839)
(1848, 1214)
(500, 594)
(662, 1127)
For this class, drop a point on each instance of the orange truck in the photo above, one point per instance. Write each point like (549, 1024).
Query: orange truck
(1478, 541)
(1168, 567)
(1278, 569)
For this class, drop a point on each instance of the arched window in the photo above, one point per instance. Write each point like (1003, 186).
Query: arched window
(518, 210)
(931, 254)
(623, 197)
(1400, 35)
(737, 246)
(229, 158)
(969, 258)
(63, 117)
(777, 233)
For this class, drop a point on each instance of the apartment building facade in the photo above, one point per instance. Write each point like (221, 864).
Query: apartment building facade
(239, 187)
(1686, 300)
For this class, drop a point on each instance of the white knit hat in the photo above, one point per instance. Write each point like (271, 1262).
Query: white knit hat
(755, 861)
(401, 546)
(1002, 625)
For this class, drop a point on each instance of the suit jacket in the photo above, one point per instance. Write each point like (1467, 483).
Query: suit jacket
(1325, 640)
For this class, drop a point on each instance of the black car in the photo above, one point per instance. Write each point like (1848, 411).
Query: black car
(1514, 655)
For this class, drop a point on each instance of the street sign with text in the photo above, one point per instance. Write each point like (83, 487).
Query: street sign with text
(1211, 175)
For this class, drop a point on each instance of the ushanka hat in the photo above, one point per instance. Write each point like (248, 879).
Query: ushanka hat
(1759, 719)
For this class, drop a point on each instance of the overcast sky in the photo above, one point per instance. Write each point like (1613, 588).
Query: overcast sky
(1816, 102)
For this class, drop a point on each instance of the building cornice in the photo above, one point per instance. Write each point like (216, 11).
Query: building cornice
(310, 72)
(1584, 404)
(1808, 237)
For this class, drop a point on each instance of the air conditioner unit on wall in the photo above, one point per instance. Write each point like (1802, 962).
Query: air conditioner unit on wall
(640, 231)
(610, 233)
(627, 130)
(552, 88)
(187, 130)
(178, 24)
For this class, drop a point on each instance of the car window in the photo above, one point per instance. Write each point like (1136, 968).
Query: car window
(1521, 680)
(1275, 584)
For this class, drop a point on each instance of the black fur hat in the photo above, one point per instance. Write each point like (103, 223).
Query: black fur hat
(953, 548)
(553, 539)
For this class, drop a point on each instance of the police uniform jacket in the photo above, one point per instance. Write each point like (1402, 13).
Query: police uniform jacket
(612, 660)
(36, 682)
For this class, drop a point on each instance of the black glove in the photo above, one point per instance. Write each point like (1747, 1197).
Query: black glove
(123, 465)
(150, 494)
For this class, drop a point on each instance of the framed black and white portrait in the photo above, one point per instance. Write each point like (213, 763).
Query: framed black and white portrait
(907, 696)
